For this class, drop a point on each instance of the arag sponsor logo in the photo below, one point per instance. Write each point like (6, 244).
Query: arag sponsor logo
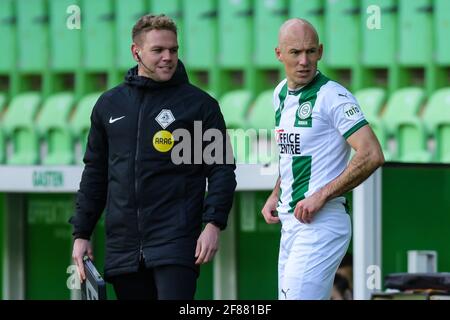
(163, 141)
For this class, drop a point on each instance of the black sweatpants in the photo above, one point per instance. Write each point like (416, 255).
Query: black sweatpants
(170, 282)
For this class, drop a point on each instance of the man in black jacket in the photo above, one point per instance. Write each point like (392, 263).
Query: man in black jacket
(151, 181)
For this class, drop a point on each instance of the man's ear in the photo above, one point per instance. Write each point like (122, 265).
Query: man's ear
(278, 53)
(134, 51)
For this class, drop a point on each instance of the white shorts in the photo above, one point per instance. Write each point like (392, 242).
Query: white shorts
(311, 253)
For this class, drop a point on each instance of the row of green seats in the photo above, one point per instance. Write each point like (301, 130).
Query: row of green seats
(401, 118)
(59, 120)
(412, 121)
(228, 33)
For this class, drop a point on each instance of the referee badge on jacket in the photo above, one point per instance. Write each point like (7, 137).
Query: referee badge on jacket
(165, 118)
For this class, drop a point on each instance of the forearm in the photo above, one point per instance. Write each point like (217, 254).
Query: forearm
(276, 189)
(361, 166)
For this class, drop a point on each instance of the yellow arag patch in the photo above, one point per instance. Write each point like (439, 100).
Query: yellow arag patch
(163, 141)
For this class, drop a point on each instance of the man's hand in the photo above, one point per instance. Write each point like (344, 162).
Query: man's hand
(207, 244)
(81, 247)
(306, 209)
(269, 209)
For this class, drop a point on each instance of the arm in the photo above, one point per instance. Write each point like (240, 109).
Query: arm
(367, 159)
(91, 196)
(221, 186)
(269, 209)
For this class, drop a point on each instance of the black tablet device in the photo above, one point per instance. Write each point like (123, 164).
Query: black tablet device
(94, 287)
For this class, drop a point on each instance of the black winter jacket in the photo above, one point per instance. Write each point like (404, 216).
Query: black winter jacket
(154, 207)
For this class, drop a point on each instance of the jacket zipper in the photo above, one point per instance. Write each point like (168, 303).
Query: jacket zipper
(136, 186)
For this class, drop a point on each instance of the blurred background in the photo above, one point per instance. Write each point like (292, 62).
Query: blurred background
(58, 56)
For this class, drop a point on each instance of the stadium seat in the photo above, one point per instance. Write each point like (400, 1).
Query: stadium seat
(200, 18)
(262, 116)
(379, 45)
(441, 31)
(2, 137)
(18, 123)
(235, 31)
(403, 104)
(8, 31)
(65, 43)
(411, 141)
(173, 9)
(380, 131)
(371, 101)
(312, 11)
(81, 120)
(32, 36)
(402, 121)
(2, 102)
(269, 16)
(127, 13)
(52, 125)
(436, 118)
(415, 27)
(234, 106)
(342, 33)
(98, 37)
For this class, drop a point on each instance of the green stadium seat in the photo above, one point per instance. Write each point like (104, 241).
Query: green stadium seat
(262, 116)
(379, 45)
(2, 102)
(52, 125)
(402, 121)
(81, 120)
(415, 27)
(18, 123)
(342, 33)
(98, 36)
(443, 138)
(441, 31)
(65, 43)
(240, 141)
(436, 118)
(403, 104)
(312, 11)
(380, 131)
(234, 106)
(235, 31)
(8, 36)
(411, 141)
(127, 13)
(173, 9)
(269, 16)
(32, 36)
(371, 101)
(2, 136)
(200, 19)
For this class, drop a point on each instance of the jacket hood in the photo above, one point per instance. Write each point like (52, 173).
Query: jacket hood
(179, 77)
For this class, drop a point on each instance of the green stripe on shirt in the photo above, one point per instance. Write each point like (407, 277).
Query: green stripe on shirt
(355, 128)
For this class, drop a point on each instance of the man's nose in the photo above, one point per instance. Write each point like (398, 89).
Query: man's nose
(166, 55)
(303, 59)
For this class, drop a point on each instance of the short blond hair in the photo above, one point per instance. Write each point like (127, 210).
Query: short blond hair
(152, 22)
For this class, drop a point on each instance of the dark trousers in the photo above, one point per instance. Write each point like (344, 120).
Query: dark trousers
(170, 282)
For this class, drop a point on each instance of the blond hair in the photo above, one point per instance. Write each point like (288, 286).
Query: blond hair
(152, 22)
